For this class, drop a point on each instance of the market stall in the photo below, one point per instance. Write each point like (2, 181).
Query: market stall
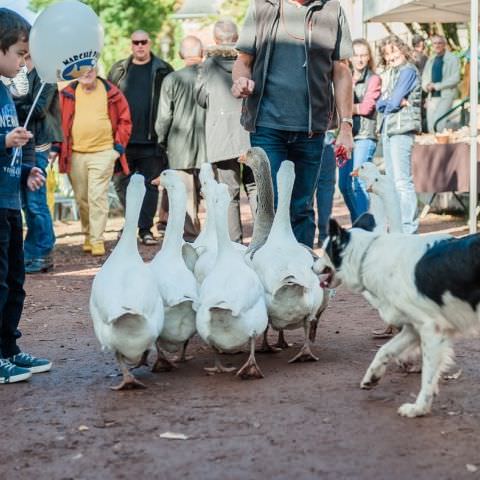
(441, 11)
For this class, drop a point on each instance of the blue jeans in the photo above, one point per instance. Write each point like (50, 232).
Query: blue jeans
(397, 152)
(325, 188)
(352, 188)
(40, 237)
(306, 154)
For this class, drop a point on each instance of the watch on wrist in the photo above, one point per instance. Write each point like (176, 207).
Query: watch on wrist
(348, 120)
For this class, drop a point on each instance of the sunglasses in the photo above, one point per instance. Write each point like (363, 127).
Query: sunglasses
(139, 42)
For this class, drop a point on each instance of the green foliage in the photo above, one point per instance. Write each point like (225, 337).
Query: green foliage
(121, 17)
(235, 8)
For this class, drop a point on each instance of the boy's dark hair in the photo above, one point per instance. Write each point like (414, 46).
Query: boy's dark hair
(13, 28)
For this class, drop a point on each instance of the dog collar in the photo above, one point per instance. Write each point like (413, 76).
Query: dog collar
(362, 260)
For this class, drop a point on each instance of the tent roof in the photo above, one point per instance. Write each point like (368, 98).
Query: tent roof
(416, 11)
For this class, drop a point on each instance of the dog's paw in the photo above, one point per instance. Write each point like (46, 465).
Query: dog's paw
(368, 382)
(412, 410)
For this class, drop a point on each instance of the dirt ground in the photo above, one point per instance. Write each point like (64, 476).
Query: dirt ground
(302, 421)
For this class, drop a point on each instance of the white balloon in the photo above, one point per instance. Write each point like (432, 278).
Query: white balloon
(65, 41)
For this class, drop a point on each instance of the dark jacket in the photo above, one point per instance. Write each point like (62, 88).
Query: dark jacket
(11, 173)
(160, 69)
(225, 137)
(366, 123)
(180, 121)
(45, 120)
(118, 112)
(321, 30)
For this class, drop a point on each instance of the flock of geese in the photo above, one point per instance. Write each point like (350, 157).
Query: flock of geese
(227, 293)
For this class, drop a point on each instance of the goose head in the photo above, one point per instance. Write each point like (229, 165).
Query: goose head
(170, 180)
(255, 158)
(369, 173)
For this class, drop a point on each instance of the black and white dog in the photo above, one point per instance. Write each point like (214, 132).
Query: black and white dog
(429, 286)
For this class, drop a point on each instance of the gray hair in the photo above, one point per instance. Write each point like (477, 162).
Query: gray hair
(441, 37)
(225, 32)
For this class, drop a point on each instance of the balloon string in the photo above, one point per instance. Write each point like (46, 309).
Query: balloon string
(29, 116)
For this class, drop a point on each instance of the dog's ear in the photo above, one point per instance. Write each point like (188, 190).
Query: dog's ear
(337, 234)
(365, 222)
(334, 230)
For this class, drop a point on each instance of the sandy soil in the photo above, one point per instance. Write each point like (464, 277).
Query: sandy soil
(302, 421)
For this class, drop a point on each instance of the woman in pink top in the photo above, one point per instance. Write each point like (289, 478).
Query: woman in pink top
(366, 91)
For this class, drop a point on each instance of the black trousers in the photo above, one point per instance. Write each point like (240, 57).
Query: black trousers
(149, 162)
(12, 278)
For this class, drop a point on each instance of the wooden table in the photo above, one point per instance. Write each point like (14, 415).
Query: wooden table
(442, 168)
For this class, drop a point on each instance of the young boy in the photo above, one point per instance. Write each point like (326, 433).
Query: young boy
(15, 365)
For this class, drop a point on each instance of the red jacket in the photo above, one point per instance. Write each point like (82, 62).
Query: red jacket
(118, 112)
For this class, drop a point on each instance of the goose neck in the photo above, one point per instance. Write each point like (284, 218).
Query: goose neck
(281, 222)
(173, 239)
(224, 243)
(265, 211)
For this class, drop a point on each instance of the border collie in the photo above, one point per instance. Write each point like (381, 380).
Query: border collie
(429, 286)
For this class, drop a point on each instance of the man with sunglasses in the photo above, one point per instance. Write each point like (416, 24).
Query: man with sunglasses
(140, 78)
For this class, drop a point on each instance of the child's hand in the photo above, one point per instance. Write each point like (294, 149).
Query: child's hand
(18, 137)
(35, 179)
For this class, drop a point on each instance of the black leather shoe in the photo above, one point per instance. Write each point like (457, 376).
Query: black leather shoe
(39, 265)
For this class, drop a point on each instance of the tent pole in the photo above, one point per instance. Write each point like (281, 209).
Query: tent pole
(473, 115)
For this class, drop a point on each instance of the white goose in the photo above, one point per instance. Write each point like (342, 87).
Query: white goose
(385, 204)
(126, 309)
(231, 310)
(257, 160)
(285, 267)
(207, 236)
(176, 282)
(206, 243)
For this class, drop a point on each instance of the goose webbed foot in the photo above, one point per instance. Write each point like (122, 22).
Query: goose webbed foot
(163, 364)
(218, 367)
(305, 354)
(266, 347)
(183, 357)
(128, 381)
(281, 342)
(250, 369)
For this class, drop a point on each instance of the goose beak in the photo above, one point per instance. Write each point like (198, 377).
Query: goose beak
(369, 189)
(156, 181)
(242, 158)
(354, 173)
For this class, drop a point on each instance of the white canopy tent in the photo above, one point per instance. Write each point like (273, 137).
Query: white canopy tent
(426, 11)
